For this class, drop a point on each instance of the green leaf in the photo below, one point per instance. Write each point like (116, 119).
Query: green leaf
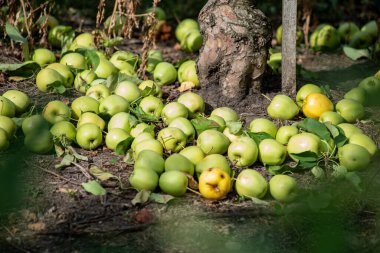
(92, 58)
(123, 146)
(133, 121)
(59, 150)
(124, 77)
(259, 201)
(339, 171)
(100, 174)
(57, 87)
(258, 137)
(279, 169)
(26, 69)
(341, 139)
(160, 198)
(76, 154)
(355, 54)
(112, 42)
(94, 188)
(306, 156)
(202, 124)
(14, 33)
(141, 115)
(66, 161)
(128, 159)
(315, 127)
(141, 197)
(318, 172)
(234, 126)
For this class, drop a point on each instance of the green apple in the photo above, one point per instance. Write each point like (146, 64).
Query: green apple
(43, 56)
(140, 128)
(350, 110)
(173, 110)
(117, 24)
(226, 113)
(154, 58)
(159, 13)
(128, 90)
(186, 127)
(150, 160)
(46, 78)
(56, 35)
(213, 161)
(332, 117)
(39, 142)
(105, 69)
(219, 120)
(172, 139)
(90, 117)
(361, 40)
(184, 26)
(303, 142)
(124, 60)
(64, 130)
(327, 39)
(193, 102)
(283, 188)
(354, 157)
(179, 163)
(83, 80)
(56, 111)
(251, 184)
(371, 85)
(83, 40)
(8, 125)
(371, 28)
(74, 60)
(243, 152)
(347, 30)
(299, 35)
(31, 124)
(305, 90)
(84, 104)
(282, 107)
(149, 144)
(262, 125)
(115, 136)
(213, 142)
(20, 100)
(4, 141)
(271, 152)
(144, 179)
(349, 129)
(154, 89)
(113, 104)
(165, 73)
(98, 92)
(173, 183)
(284, 133)
(64, 71)
(357, 94)
(51, 21)
(192, 42)
(364, 141)
(152, 105)
(129, 71)
(89, 136)
(193, 153)
(140, 138)
(187, 72)
(120, 120)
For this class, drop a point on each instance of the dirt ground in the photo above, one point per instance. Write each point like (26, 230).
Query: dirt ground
(48, 211)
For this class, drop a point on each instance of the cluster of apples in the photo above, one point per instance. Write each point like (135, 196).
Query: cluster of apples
(326, 37)
(189, 36)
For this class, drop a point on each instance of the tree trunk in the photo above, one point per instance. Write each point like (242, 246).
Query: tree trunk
(236, 41)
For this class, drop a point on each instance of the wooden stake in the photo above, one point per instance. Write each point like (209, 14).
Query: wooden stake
(289, 26)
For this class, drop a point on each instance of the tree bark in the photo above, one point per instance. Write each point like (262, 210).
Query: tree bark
(236, 41)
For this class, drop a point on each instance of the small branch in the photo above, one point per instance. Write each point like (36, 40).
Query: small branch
(56, 175)
(83, 170)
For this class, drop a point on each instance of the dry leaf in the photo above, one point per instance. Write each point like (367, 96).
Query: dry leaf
(39, 226)
(185, 86)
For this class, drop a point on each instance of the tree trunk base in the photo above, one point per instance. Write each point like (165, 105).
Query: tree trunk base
(236, 41)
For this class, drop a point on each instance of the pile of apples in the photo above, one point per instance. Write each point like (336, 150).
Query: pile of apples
(326, 37)
(173, 143)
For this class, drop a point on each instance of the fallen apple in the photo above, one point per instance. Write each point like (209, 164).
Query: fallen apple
(262, 125)
(282, 107)
(113, 104)
(284, 133)
(56, 111)
(243, 152)
(304, 91)
(148, 159)
(173, 110)
(114, 137)
(172, 139)
(193, 153)
(214, 184)
(354, 157)
(64, 131)
(271, 152)
(213, 161)
(173, 183)
(84, 104)
(213, 142)
(251, 184)
(179, 162)
(89, 136)
(283, 188)
(152, 105)
(39, 142)
(364, 141)
(350, 110)
(144, 179)
(303, 142)
(43, 56)
(20, 100)
(30, 124)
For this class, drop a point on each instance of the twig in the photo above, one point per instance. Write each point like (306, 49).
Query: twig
(83, 170)
(56, 175)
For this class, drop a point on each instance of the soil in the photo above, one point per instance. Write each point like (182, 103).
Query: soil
(47, 210)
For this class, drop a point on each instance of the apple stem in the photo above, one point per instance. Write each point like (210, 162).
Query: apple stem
(265, 96)
(193, 191)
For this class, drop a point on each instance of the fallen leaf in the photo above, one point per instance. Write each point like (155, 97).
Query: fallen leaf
(39, 226)
(185, 86)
